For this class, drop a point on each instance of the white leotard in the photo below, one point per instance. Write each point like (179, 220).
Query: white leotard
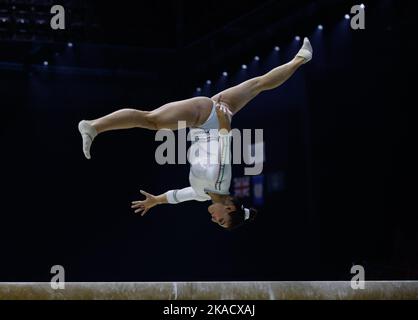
(210, 163)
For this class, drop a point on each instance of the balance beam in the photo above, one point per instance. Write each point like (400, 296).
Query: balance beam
(321, 290)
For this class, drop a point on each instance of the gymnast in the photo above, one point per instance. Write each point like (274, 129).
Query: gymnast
(209, 181)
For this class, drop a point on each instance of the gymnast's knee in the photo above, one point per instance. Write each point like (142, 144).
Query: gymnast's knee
(144, 119)
(153, 120)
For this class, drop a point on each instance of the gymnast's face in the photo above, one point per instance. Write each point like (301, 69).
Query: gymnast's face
(221, 214)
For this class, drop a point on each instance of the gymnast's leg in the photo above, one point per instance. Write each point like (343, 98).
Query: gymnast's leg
(237, 97)
(193, 112)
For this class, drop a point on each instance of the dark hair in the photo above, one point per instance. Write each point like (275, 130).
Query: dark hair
(238, 216)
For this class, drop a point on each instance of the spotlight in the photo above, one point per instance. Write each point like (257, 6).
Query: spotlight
(362, 6)
(70, 44)
(46, 63)
(277, 48)
(244, 67)
(225, 74)
(347, 17)
(297, 38)
(257, 58)
(208, 82)
(320, 27)
(199, 89)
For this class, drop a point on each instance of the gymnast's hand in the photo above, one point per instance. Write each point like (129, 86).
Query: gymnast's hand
(144, 205)
(224, 115)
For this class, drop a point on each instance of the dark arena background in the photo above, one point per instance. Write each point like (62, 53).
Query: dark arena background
(338, 187)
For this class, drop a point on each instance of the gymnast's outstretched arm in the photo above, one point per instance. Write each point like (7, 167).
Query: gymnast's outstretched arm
(170, 197)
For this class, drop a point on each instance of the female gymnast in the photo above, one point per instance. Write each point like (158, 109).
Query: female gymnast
(209, 181)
